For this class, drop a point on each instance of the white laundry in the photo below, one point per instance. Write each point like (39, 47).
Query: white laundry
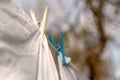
(20, 46)
(69, 71)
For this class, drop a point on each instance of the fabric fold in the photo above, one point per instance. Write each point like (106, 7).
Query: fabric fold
(47, 68)
(69, 71)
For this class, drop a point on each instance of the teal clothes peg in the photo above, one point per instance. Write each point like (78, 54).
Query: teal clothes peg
(60, 48)
(52, 41)
(53, 44)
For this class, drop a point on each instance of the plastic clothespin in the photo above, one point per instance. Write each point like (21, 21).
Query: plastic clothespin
(42, 25)
(60, 48)
(52, 41)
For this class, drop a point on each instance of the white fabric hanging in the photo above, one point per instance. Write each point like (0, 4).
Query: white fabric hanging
(47, 69)
(69, 71)
(20, 46)
(19, 43)
(46, 66)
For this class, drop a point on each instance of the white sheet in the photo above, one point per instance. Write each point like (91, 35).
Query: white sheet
(20, 46)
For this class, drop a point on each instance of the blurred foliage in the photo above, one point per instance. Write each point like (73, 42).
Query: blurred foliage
(92, 46)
